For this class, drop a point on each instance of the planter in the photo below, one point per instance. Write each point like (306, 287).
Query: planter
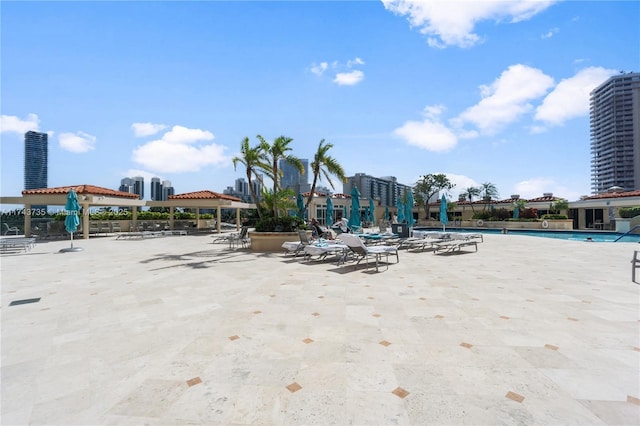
(272, 241)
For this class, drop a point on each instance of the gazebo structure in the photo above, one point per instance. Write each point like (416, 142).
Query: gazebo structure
(204, 200)
(88, 196)
(92, 196)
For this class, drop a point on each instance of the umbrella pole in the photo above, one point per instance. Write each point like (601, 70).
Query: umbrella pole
(72, 240)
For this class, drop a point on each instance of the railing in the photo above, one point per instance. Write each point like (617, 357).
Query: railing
(627, 233)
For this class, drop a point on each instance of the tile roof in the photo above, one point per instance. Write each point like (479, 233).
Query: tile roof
(203, 195)
(80, 190)
(613, 195)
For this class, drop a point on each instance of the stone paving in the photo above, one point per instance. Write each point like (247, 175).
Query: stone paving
(177, 330)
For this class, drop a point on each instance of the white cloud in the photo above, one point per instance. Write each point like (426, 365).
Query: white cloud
(570, 98)
(356, 61)
(177, 151)
(319, 69)
(345, 75)
(147, 129)
(77, 142)
(451, 23)
(506, 99)
(462, 182)
(550, 33)
(349, 78)
(12, 123)
(537, 186)
(429, 134)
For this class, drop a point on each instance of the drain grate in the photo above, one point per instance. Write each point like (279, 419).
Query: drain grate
(24, 301)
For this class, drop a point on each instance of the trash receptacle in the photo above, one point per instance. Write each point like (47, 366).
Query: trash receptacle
(401, 229)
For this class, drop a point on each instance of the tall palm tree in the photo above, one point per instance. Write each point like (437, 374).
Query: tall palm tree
(325, 165)
(489, 191)
(254, 160)
(274, 152)
(470, 193)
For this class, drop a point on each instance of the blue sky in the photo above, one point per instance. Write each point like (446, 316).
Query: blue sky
(494, 91)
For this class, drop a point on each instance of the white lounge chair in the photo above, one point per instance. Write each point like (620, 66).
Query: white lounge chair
(357, 246)
(8, 229)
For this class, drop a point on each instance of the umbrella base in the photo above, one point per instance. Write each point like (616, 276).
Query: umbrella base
(70, 249)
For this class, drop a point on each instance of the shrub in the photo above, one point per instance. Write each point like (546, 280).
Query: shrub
(501, 214)
(281, 224)
(629, 212)
(484, 215)
(554, 216)
(529, 213)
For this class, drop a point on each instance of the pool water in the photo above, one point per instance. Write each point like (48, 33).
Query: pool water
(601, 236)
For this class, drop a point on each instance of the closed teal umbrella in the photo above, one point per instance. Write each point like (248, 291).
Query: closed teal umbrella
(400, 208)
(372, 210)
(329, 219)
(71, 221)
(516, 212)
(300, 204)
(354, 218)
(444, 219)
(409, 209)
(386, 213)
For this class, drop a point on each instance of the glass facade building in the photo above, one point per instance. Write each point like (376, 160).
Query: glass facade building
(615, 134)
(36, 157)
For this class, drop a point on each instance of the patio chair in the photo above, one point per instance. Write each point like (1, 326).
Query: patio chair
(239, 238)
(8, 229)
(364, 252)
(297, 247)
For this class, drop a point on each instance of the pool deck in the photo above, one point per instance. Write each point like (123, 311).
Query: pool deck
(178, 331)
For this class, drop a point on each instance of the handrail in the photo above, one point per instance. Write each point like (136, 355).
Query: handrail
(627, 233)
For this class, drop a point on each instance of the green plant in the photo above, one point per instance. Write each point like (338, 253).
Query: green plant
(554, 216)
(629, 212)
(529, 213)
(280, 224)
(501, 214)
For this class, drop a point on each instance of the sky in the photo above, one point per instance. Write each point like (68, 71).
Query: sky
(482, 91)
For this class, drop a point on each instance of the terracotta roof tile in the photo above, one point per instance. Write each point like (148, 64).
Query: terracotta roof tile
(81, 190)
(614, 195)
(203, 195)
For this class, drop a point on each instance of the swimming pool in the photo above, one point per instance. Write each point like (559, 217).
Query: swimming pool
(601, 236)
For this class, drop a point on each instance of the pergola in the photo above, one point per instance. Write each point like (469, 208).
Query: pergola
(88, 196)
(203, 200)
(92, 196)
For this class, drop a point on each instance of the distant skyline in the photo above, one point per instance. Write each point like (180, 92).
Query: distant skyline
(491, 91)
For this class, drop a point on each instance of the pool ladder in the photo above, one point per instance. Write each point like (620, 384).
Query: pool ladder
(627, 233)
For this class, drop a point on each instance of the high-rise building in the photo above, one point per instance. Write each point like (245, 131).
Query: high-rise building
(167, 190)
(36, 162)
(133, 185)
(241, 189)
(156, 189)
(293, 179)
(615, 134)
(386, 189)
(36, 155)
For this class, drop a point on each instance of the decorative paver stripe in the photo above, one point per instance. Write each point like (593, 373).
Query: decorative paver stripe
(514, 396)
(194, 381)
(294, 387)
(399, 392)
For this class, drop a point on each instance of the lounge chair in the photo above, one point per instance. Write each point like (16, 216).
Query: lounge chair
(364, 252)
(297, 247)
(453, 245)
(239, 238)
(8, 229)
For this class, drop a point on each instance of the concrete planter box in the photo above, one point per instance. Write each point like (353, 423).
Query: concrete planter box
(272, 241)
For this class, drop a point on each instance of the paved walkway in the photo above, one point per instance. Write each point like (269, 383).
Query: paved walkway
(177, 330)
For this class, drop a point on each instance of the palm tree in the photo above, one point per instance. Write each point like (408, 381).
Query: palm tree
(489, 191)
(470, 193)
(326, 166)
(282, 202)
(274, 152)
(254, 160)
